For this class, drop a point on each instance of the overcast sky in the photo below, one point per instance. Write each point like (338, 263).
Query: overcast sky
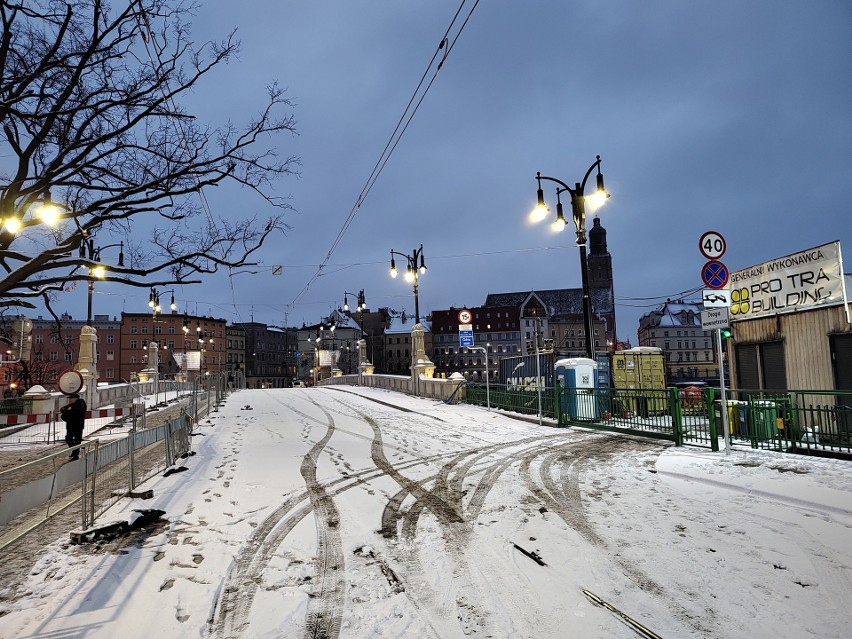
(723, 115)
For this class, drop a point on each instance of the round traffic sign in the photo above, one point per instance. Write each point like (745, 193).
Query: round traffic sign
(70, 382)
(712, 245)
(465, 316)
(714, 274)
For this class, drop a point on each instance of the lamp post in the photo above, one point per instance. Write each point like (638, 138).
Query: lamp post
(578, 210)
(154, 301)
(411, 273)
(96, 271)
(362, 302)
(362, 306)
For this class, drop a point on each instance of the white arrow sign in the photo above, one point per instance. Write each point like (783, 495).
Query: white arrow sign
(717, 298)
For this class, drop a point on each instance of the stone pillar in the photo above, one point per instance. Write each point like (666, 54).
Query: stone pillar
(364, 365)
(152, 370)
(421, 365)
(87, 365)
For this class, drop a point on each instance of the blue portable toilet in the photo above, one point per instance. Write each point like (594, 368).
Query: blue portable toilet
(579, 377)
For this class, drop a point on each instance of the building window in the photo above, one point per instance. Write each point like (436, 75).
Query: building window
(133, 344)
(144, 330)
(54, 356)
(110, 356)
(133, 329)
(133, 359)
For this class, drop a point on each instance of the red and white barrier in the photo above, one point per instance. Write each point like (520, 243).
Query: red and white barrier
(41, 418)
(108, 412)
(13, 420)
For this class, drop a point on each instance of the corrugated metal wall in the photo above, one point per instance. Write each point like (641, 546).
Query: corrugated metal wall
(807, 350)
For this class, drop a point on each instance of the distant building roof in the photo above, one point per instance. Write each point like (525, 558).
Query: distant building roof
(675, 313)
(402, 323)
(560, 301)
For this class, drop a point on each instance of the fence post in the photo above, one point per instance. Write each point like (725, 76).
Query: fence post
(131, 448)
(557, 402)
(711, 415)
(677, 415)
(169, 456)
(83, 513)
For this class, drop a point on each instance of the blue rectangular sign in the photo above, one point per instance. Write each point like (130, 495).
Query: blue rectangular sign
(465, 338)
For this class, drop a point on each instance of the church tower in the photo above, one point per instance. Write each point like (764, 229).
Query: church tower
(600, 261)
(600, 277)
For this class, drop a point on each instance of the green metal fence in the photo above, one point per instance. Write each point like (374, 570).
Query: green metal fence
(516, 400)
(799, 421)
(804, 422)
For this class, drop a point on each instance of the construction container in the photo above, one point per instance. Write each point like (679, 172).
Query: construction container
(640, 369)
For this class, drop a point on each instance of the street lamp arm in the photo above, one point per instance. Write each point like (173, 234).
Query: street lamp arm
(573, 191)
(565, 187)
(595, 164)
(406, 256)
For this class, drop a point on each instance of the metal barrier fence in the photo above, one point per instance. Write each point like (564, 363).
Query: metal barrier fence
(116, 468)
(108, 472)
(796, 421)
(799, 421)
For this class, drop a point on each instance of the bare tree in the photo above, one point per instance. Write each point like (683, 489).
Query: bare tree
(91, 120)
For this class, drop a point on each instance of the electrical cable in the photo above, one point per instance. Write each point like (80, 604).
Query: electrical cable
(394, 139)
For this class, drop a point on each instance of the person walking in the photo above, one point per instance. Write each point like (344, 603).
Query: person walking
(74, 416)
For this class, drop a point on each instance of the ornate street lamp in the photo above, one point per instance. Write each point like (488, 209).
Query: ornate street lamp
(412, 273)
(578, 210)
(362, 302)
(154, 303)
(97, 271)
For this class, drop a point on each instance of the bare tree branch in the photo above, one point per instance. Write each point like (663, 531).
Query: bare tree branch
(91, 115)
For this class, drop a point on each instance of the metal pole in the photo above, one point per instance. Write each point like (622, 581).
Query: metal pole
(416, 298)
(538, 368)
(587, 303)
(131, 446)
(91, 288)
(722, 392)
(487, 383)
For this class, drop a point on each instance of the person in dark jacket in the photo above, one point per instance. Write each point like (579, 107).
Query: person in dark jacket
(74, 416)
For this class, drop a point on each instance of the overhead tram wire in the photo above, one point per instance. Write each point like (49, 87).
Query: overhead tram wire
(395, 138)
(661, 297)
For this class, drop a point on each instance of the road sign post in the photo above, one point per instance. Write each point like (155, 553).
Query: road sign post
(715, 275)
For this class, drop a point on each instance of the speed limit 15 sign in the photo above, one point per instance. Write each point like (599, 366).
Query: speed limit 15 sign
(712, 245)
(465, 316)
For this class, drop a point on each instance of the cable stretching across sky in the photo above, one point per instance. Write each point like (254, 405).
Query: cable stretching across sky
(396, 135)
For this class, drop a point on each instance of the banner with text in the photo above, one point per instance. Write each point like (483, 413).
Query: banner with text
(797, 282)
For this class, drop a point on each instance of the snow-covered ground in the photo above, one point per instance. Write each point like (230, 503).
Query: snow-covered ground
(322, 512)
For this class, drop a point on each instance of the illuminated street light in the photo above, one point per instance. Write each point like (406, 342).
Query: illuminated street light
(411, 273)
(578, 210)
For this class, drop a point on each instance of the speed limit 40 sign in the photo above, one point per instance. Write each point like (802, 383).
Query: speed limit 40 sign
(712, 245)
